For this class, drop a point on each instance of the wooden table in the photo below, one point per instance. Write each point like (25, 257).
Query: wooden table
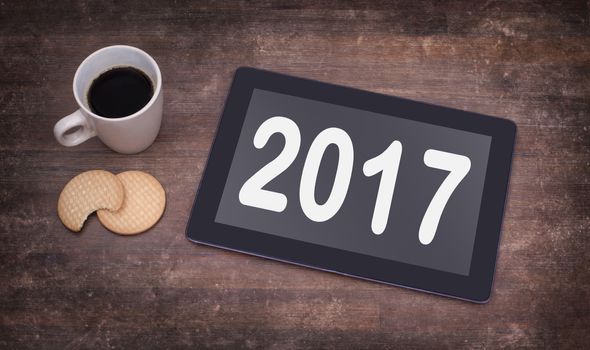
(525, 61)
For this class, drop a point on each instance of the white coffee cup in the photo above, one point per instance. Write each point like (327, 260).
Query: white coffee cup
(130, 134)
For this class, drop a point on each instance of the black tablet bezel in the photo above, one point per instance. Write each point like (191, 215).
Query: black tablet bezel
(202, 228)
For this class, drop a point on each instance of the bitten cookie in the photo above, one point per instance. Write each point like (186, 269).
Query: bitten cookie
(87, 192)
(143, 206)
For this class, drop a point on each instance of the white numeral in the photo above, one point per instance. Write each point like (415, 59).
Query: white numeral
(252, 193)
(386, 163)
(458, 167)
(322, 212)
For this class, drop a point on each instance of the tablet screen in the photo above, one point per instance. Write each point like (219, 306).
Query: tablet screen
(358, 181)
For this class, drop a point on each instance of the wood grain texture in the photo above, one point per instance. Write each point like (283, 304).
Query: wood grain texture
(528, 61)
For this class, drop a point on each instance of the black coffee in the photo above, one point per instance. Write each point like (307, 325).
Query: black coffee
(120, 92)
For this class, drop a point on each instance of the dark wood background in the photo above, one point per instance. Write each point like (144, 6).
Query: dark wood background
(525, 61)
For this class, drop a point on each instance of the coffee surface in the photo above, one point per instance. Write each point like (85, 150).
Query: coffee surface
(120, 92)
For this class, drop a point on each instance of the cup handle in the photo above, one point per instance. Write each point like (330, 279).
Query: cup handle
(77, 119)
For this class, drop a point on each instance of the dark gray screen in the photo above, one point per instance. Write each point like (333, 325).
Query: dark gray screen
(350, 228)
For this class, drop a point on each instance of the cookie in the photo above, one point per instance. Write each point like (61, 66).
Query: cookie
(86, 193)
(143, 206)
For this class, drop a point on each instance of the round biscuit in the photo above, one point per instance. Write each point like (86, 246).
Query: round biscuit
(86, 193)
(145, 200)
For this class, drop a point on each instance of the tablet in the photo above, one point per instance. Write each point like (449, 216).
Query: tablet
(362, 184)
